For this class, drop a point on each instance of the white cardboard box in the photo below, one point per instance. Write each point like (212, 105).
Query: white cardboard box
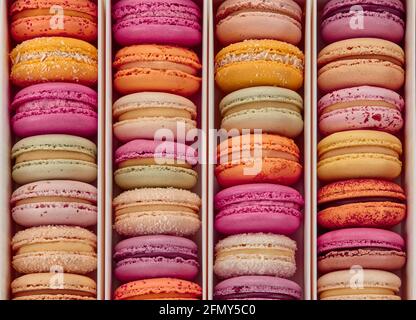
(7, 226)
(111, 238)
(407, 229)
(303, 236)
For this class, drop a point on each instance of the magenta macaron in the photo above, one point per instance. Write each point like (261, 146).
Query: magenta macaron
(174, 22)
(367, 248)
(252, 208)
(55, 108)
(361, 108)
(158, 256)
(55, 202)
(257, 288)
(345, 19)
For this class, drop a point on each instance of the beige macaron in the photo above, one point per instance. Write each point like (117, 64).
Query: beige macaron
(53, 286)
(54, 249)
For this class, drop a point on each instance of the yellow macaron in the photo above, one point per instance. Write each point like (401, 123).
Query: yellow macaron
(54, 59)
(359, 154)
(259, 63)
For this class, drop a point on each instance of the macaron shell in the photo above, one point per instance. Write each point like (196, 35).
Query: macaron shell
(252, 219)
(279, 171)
(145, 79)
(270, 120)
(263, 21)
(55, 213)
(149, 127)
(362, 214)
(368, 117)
(143, 25)
(257, 287)
(155, 176)
(40, 25)
(158, 289)
(357, 166)
(31, 171)
(157, 222)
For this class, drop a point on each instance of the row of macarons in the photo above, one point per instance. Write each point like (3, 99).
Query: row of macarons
(259, 70)
(54, 113)
(156, 215)
(359, 115)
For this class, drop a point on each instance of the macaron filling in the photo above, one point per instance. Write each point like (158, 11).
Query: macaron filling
(368, 199)
(45, 55)
(286, 8)
(29, 13)
(287, 59)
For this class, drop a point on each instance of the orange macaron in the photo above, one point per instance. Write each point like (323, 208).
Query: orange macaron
(45, 18)
(258, 158)
(159, 289)
(157, 68)
(370, 203)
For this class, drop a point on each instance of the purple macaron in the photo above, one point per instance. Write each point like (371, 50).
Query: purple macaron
(252, 208)
(55, 108)
(173, 22)
(157, 256)
(345, 19)
(257, 288)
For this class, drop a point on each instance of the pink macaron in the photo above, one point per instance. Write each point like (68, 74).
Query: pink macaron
(257, 288)
(361, 108)
(156, 256)
(55, 202)
(345, 19)
(365, 247)
(55, 108)
(174, 22)
(252, 208)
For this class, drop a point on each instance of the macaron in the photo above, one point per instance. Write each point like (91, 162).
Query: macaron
(157, 68)
(47, 248)
(359, 284)
(271, 109)
(257, 254)
(157, 256)
(50, 59)
(150, 163)
(359, 154)
(55, 202)
(261, 207)
(146, 21)
(239, 20)
(159, 289)
(254, 63)
(257, 288)
(368, 248)
(368, 19)
(361, 203)
(151, 211)
(359, 62)
(142, 115)
(46, 18)
(53, 286)
(257, 158)
(54, 157)
(361, 108)
(64, 108)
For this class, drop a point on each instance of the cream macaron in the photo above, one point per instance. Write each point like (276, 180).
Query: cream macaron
(54, 157)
